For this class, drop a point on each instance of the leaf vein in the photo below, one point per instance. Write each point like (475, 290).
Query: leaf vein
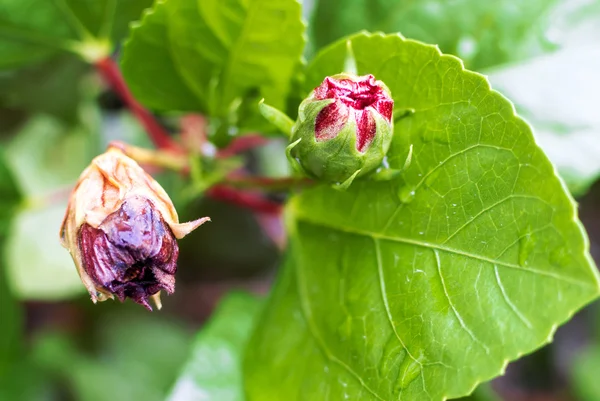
(388, 312)
(439, 165)
(487, 209)
(454, 310)
(512, 306)
(307, 314)
(439, 247)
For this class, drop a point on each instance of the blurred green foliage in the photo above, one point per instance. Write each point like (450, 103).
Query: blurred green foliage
(214, 367)
(482, 33)
(10, 310)
(130, 357)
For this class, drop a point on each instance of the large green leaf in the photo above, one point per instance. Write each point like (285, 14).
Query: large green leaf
(204, 55)
(422, 287)
(483, 33)
(214, 371)
(565, 113)
(31, 30)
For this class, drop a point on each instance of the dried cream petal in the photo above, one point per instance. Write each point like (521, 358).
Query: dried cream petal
(156, 299)
(182, 229)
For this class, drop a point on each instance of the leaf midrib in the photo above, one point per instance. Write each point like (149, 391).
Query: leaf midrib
(433, 246)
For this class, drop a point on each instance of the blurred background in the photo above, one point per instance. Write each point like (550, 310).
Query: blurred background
(56, 114)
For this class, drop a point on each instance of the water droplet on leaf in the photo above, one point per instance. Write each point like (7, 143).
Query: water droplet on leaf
(560, 257)
(426, 136)
(393, 355)
(409, 371)
(430, 180)
(344, 330)
(526, 245)
(406, 194)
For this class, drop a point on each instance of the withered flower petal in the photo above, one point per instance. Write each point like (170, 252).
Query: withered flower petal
(121, 229)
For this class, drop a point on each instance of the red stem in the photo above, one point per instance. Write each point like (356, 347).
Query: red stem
(241, 144)
(109, 70)
(245, 181)
(250, 200)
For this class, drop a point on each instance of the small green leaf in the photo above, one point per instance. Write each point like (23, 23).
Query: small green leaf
(276, 117)
(214, 370)
(32, 30)
(422, 287)
(205, 56)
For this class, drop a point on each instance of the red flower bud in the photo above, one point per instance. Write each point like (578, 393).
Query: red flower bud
(352, 97)
(344, 128)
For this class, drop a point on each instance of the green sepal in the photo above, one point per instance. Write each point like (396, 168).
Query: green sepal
(296, 166)
(346, 184)
(386, 174)
(276, 117)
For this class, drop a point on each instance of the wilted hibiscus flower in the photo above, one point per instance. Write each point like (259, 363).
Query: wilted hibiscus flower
(121, 229)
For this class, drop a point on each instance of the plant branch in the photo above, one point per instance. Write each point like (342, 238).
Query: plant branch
(266, 183)
(253, 201)
(242, 144)
(109, 70)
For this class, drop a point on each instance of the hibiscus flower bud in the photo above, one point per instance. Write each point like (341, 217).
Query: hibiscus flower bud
(121, 229)
(344, 128)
